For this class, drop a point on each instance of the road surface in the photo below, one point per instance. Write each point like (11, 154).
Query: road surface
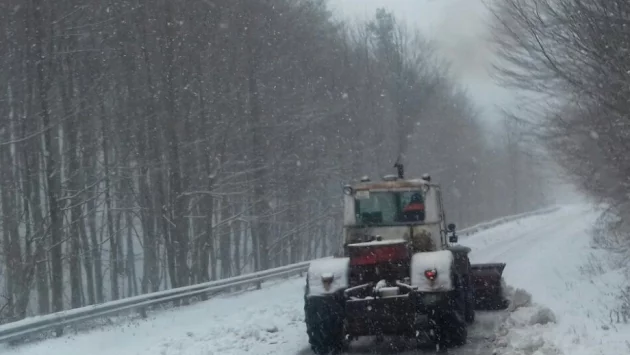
(543, 255)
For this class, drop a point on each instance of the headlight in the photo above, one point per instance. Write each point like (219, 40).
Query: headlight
(327, 280)
(430, 274)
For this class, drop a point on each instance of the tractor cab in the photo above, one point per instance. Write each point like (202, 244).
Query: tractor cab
(395, 210)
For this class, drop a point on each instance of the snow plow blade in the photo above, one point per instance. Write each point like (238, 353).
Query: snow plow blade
(488, 286)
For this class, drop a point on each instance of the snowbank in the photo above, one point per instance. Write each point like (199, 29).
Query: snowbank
(523, 332)
(575, 288)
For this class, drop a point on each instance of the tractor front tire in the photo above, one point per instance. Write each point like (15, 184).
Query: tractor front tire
(451, 326)
(470, 312)
(457, 332)
(324, 318)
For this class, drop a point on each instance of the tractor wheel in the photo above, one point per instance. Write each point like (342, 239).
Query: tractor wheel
(457, 332)
(469, 312)
(325, 325)
(451, 328)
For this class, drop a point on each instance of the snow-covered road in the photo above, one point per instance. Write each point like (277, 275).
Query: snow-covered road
(544, 255)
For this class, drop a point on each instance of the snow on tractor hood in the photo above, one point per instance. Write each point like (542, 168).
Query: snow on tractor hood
(378, 242)
(438, 261)
(321, 271)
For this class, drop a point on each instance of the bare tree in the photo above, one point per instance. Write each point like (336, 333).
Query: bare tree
(148, 145)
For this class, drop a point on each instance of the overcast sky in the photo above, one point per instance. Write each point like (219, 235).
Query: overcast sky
(459, 27)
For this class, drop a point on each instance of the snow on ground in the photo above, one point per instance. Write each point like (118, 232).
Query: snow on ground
(257, 322)
(545, 256)
(551, 257)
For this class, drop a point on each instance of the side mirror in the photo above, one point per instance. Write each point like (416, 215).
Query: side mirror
(453, 237)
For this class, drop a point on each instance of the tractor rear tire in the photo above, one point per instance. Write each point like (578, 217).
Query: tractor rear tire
(324, 318)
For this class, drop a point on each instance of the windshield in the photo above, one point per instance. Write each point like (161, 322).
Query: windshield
(387, 207)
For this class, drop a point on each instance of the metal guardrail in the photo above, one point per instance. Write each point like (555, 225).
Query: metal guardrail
(33, 325)
(56, 321)
(502, 220)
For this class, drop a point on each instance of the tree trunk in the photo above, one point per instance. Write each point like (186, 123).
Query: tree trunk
(178, 201)
(95, 250)
(260, 229)
(71, 132)
(53, 179)
(224, 233)
(112, 233)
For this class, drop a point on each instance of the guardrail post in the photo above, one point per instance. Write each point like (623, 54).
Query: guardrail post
(184, 302)
(258, 285)
(59, 332)
(143, 312)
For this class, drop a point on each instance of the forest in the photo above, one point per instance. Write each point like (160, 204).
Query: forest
(571, 57)
(146, 145)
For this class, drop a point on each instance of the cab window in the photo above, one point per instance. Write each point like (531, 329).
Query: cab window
(387, 208)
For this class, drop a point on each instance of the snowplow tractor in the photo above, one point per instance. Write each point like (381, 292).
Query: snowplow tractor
(401, 272)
